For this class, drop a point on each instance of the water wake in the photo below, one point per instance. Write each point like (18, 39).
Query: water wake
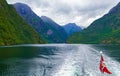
(84, 61)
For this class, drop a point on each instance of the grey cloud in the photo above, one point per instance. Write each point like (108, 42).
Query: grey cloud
(92, 10)
(64, 11)
(41, 3)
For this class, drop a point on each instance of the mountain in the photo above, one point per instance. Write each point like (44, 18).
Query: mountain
(115, 10)
(60, 30)
(71, 28)
(48, 31)
(13, 29)
(103, 30)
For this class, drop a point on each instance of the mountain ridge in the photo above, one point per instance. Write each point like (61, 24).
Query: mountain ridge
(59, 28)
(104, 30)
(13, 29)
(47, 30)
(115, 9)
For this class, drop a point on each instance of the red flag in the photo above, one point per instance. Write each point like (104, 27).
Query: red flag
(103, 67)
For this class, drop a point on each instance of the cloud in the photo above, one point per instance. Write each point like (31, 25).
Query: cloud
(81, 12)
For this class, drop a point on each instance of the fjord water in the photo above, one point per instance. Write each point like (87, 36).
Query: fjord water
(58, 60)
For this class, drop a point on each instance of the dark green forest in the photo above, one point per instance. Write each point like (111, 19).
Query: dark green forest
(13, 29)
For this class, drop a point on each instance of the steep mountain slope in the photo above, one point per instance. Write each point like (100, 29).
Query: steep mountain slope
(60, 30)
(48, 31)
(71, 28)
(13, 29)
(104, 30)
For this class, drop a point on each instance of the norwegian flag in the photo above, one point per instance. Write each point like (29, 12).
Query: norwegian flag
(103, 67)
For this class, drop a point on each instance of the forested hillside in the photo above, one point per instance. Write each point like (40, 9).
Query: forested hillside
(13, 29)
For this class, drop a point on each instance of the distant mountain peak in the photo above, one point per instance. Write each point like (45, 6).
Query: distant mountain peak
(71, 24)
(71, 28)
(22, 5)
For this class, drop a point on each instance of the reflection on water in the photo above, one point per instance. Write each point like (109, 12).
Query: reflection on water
(25, 51)
(56, 60)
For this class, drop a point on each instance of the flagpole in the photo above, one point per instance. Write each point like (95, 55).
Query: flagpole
(101, 72)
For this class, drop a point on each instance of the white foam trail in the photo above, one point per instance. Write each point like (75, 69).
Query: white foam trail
(85, 62)
(65, 70)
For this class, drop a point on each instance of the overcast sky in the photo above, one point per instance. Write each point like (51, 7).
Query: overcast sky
(81, 12)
